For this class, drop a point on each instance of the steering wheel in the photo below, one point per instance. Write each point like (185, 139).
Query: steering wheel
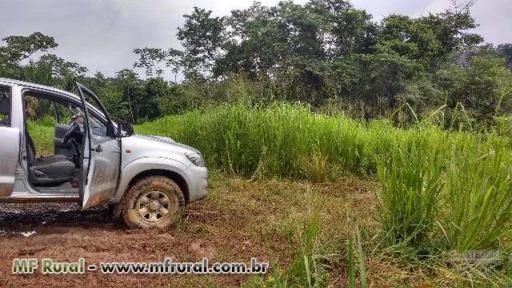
(74, 135)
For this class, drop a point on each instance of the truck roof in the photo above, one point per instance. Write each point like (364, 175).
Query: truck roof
(38, 86)
(51, 89)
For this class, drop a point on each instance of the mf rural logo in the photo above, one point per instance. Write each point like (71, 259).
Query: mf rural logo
(48, 266)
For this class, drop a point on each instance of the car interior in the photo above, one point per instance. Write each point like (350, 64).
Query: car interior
(51, 161)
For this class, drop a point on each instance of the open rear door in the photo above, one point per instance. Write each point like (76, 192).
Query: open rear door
(101, 155)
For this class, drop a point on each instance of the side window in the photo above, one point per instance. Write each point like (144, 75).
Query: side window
(5, 106)
(39, 110)
(46, 117)
(98, 128)
(40, 119)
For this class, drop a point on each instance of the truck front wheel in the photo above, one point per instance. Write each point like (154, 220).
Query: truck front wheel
(152, 202)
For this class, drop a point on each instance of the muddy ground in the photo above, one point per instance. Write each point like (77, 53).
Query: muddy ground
(239, 220)
(64, 233)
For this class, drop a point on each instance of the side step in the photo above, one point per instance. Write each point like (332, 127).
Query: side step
(31, 198)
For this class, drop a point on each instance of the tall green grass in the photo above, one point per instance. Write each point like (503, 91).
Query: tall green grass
(42, 133)
(276, 141)
(411, 186)
(451, 189)
(477, 201)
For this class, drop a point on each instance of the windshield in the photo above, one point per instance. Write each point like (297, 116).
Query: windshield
(93, 100)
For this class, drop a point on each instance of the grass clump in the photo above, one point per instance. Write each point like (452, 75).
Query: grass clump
(308, 268)
(477, 199)
(411, 186)
(351, 263)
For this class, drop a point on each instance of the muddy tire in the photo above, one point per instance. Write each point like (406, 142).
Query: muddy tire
(152, 202)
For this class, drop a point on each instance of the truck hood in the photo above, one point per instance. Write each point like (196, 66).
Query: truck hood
(155, 146)
(169, 141)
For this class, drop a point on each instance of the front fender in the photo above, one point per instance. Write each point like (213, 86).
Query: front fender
(140, 165)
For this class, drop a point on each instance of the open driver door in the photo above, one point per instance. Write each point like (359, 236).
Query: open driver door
(101, 157)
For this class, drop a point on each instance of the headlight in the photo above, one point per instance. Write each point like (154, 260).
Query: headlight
(196, 159)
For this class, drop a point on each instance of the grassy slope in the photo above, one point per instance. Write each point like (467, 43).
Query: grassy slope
(439, 189)
(267, 218)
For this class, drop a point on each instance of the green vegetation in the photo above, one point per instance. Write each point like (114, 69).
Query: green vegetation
(324, 53)
(441, 191)
(42, 133)
(279, 140)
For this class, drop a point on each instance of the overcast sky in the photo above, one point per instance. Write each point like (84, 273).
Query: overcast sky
(101, 34)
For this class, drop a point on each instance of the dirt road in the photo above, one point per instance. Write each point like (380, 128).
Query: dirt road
(240, 220)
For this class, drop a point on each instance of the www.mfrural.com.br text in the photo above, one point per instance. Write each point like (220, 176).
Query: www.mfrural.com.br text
(167, 266)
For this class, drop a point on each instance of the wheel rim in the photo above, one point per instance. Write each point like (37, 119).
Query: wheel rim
(154, 206)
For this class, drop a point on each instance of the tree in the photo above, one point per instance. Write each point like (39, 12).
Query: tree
(52, 70)
(484, 88)
(202, 38)
(131, 86)
(344, 29)
(431, 40)
(153, 61)
(153, 90)
(505, 50)
(19, 48)
(254, 45)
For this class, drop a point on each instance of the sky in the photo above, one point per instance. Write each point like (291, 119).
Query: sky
(101, 34)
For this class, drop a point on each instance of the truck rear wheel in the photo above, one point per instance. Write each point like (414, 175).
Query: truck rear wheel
(152, 202)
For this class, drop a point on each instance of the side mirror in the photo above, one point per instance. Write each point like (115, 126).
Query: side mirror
(124, 129)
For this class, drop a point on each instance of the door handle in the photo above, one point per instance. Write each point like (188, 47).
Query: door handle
(98, 148)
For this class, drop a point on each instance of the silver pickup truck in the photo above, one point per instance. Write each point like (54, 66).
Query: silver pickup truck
(146, 179)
